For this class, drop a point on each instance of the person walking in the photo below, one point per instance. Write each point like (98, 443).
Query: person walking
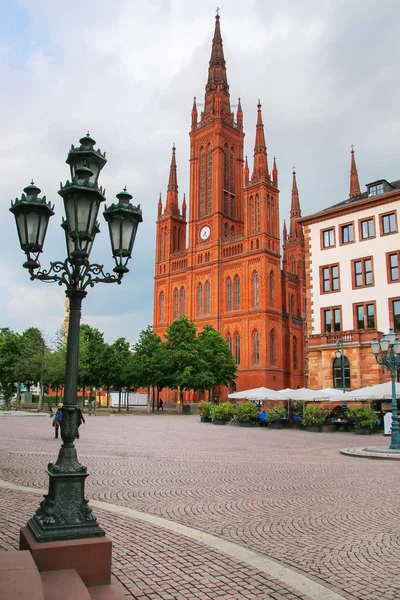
(80, 421)
(57, 420)
(160, 405)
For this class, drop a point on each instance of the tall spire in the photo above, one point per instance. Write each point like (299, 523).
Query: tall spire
(194, 114)
(246, 172)
(171, 206)
(184, 207)
(159, 207)
(354, 183)
(239, 115)
(295, 212)
(275, 174)
(260, 167)
(217, 88)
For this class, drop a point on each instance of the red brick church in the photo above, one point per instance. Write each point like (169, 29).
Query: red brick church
(220, 261)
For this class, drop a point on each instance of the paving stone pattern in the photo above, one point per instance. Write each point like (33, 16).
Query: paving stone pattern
(289, 495)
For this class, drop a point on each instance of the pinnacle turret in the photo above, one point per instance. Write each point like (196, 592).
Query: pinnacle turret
(354, 182)
(260, 167)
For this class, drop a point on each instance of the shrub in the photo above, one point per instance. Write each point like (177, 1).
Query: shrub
(246, 412)
(275, 413)
(205, 408)
(362, 416)
(314, 415)
(222, 412)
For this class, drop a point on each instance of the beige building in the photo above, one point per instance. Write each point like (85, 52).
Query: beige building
(352, 283)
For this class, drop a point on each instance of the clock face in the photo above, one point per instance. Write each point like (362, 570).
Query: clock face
(205, 232)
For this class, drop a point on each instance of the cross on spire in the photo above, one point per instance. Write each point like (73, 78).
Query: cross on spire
(217, 10)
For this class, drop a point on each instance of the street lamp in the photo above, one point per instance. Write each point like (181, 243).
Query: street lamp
(389, 349)
(340, 355)
(64, 513)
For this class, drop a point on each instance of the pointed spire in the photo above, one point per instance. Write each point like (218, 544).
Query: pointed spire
(171, 206)
(239, 115)
(194, 114)
(260, 167)
(284, 231)
(296, 229)
(217, 88)
(354, 183)
(159, 207)
(275, 174)
(184, 207)
(246, 172)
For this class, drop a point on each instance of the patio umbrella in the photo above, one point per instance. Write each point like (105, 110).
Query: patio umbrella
(375, 392)
(260, 393)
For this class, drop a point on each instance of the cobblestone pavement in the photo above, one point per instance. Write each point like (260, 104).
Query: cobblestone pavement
(289, 495)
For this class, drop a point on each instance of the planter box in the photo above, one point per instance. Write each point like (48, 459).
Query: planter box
(245, 423)
(363, 431)
(217, 422)
(275, 425)
(205, 419)
(315, 428)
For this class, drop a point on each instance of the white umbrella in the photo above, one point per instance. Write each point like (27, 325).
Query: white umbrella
(260, 393)
(306, 394)
(375, 392)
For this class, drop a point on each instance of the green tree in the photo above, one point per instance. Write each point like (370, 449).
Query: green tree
(215, 354)
(10, 352)
(31, 364)
(120, 376)
(148, 363)
(91, 347)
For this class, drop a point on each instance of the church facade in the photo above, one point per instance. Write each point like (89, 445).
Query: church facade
(223, 265)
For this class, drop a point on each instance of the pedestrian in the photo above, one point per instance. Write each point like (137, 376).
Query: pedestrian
(94, 406)
(90, 408)
(57, 420)
(80, 421)
(160, 405)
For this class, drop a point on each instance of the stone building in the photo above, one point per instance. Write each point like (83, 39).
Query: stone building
(352, 282)
(224, 266)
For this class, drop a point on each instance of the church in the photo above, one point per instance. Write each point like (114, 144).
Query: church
(220, 260)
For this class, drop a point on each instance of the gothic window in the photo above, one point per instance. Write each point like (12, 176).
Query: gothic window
(202, 182)
(200, 299)
(256, 348)
(232, 183)
(232, 230)
(237, 348)
(183, 301)
(226, 227)
(294, 353)
(229, 294)
(255, 289)
(257, 214)
(229, 342)
(272, 347)
(176, 303)
(207, 289)
(179, 240)
(271, 289)
(161, 307)
(252, 216)
(165, 243)
(226, 175)
(291, 304)
(209, 180)
(237, 292)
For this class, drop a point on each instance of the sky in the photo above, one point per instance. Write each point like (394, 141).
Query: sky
(326, 72)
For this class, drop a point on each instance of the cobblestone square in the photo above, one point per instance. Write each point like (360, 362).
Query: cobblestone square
(200, 511)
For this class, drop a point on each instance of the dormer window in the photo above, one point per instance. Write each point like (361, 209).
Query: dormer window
(375, 190)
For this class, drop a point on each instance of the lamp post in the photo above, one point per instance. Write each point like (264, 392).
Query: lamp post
(387, 352)
(340, 355)
(64, 513)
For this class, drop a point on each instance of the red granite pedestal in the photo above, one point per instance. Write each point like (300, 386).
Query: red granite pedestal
(90, 557)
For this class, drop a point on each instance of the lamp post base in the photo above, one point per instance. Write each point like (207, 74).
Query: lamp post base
(395, 441)
(64, 513)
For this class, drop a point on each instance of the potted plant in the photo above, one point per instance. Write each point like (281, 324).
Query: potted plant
(205, 410)
(274, 416)
(221, 413)
(364, 419)
(246, 414)
(314, 417)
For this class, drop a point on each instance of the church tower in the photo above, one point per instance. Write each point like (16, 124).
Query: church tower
(229, 273)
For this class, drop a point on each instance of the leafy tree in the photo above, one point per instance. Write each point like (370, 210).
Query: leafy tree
(91, 347)
(109, 365)
(214, 352)
(120, 376)
(148, 363)
(10, 352)
(30, 366)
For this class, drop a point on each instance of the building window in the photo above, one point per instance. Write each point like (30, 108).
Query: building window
(256, 348)
(271, 289)
(202, 182)
(365, 316)
(388, 224)
(393, 266)
(255, 289)
(252, 217)
(229, 341)
(237, 348)
(328, 238)
(331, 320)
(272, 347)
(375, 190)
(337, 373)
(207, 289)
(394, 313)
(294, 349)
(209, 180)
(183, 301)
(161, 306)
(226, 229)
(347, 233)
(237, 292)
(362, 272)
(229, 294)
(176, 304)
(367, 229)
(330, 279)
(200, 299)
(257, 217)
(291, 304)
